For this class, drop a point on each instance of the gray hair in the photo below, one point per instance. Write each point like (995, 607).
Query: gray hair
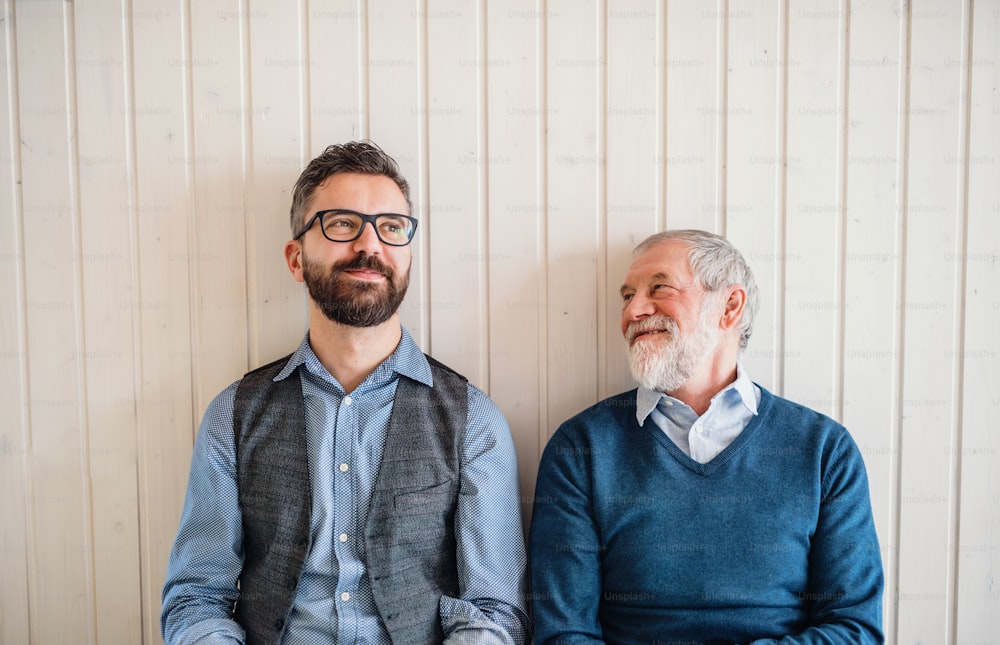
(716, 264)
(362, 157)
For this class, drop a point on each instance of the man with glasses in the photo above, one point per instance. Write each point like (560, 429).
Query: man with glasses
(356, 491)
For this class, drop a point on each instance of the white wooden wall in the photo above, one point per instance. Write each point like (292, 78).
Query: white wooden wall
(148, 149)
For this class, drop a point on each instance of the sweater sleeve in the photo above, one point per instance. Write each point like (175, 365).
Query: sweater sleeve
(845, 564)
(565, 548)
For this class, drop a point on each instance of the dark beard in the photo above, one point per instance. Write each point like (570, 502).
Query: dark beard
(350, 302)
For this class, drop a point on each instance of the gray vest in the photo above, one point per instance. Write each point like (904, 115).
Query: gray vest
(409, 535)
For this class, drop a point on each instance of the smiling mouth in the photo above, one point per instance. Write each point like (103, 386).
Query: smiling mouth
(634, 338)
(365, 274)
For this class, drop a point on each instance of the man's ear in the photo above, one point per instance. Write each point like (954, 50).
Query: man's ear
(732, 311)
(293, 257)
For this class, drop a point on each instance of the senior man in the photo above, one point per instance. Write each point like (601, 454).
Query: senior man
(700, 507)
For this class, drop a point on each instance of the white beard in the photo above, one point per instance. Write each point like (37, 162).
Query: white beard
(663, 362)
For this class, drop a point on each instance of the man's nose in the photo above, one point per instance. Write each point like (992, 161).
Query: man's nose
(637, 307)
(368, 242)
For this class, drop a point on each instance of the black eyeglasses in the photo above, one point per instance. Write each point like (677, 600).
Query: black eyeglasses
(342, 225)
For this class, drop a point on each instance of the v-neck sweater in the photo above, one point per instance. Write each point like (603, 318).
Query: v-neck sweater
(632, 541)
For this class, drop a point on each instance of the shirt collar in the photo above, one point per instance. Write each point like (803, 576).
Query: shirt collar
(745, 388)
(647, 399)
(406, 360)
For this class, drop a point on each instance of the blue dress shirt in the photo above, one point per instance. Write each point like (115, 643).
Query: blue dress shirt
(702, 438)
(346, 434)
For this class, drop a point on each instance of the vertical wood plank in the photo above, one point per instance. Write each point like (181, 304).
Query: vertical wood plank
(515, 220)
(16, 531)
(396, 77)
(976, 618)
(161, 216)
(218, 256)
(813, 304)
(873, 311)
(756, 166)
(695, 110)
(927, 495)
(279, 134)
(59, 502)
(460, 255)
(336, 74)
(635, 67)
(108, 355)
(575, 168)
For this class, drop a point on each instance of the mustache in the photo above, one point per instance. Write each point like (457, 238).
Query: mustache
(652, 323)
(366, 262)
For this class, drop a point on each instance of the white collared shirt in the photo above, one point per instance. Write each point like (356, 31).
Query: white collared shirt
(702, 438)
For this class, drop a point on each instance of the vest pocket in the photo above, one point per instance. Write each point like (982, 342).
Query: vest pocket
(435, 496)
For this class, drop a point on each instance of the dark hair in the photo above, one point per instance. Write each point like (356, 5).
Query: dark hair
(717, 264)
(362, 157)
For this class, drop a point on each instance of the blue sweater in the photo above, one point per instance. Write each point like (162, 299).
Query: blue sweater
(632, 541)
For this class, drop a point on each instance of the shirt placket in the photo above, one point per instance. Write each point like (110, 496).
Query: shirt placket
(699, 435)
(345, 520)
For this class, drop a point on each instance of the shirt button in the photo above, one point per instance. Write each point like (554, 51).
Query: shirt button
(348, 400)
(345, 596)
(344, 468)
(343, 537)
(697, 429)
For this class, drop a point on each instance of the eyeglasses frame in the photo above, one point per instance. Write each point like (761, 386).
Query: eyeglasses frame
(366, 219)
